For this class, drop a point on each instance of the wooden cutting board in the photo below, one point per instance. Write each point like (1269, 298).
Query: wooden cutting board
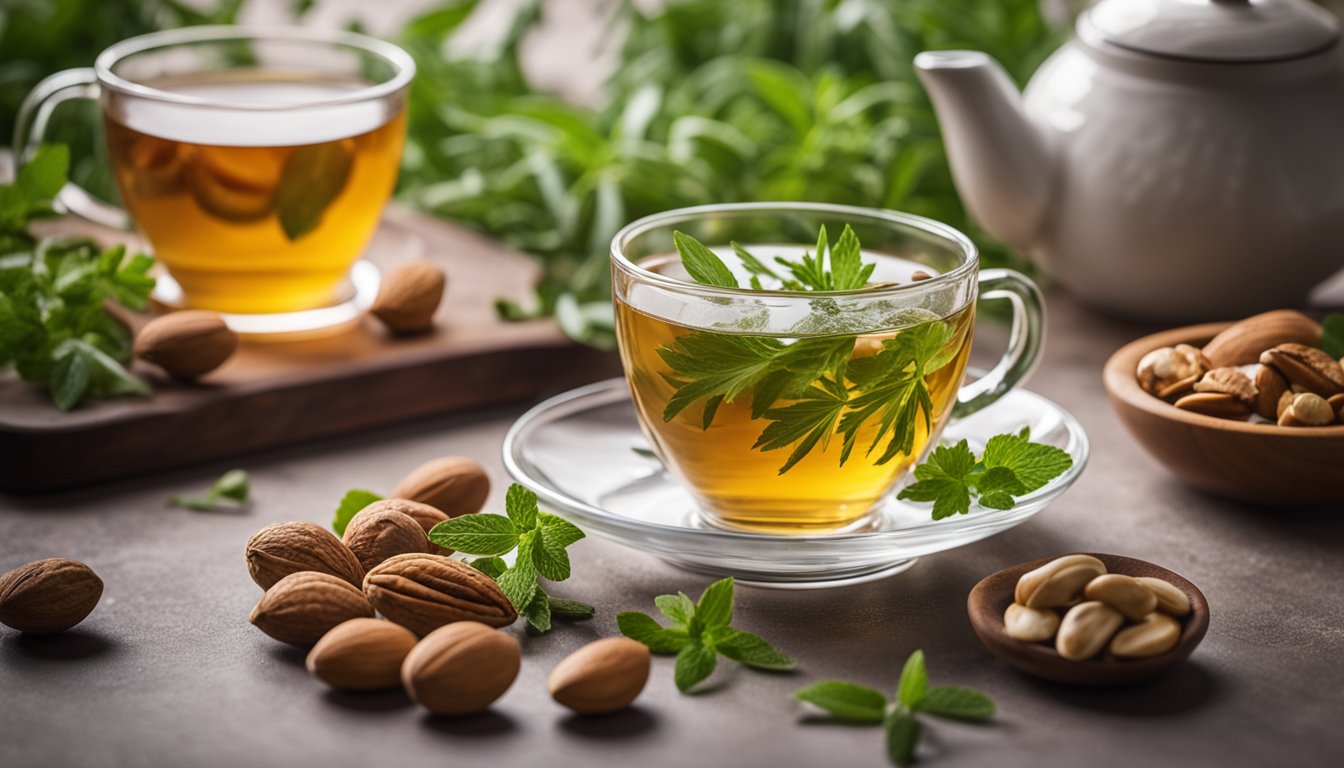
(272, 394)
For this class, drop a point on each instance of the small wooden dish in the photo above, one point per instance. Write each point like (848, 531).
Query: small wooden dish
(1255, 462)
(992, 596)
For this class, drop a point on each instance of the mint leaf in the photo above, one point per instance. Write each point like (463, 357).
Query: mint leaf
(43, 176)
(703, 265)
(749, 649)
(715, 608)
(70, 379)
(1033, 464)
(312, 178)
(914, 681)
(641, 627)
(695, 662)
(997, 487)
(558, 530)
(943, 479)
(958, 703)
(521, 506)
(478, 534)
(570, 610)
(538, 612)
(519, 583)
(846, 701)
(1332, 336)
(350, 505)
(494, 567)
(229, 491)
(550, 558)
(902, 732)
(847, 270)
(753, 265)
(679, 608)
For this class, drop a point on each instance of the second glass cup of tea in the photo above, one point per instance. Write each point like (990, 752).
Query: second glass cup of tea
(255, 162)
(797, 412)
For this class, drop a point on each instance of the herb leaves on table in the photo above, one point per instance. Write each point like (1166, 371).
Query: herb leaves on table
(700, 633)
(855, 703)
(1010, 466)
(230, 491)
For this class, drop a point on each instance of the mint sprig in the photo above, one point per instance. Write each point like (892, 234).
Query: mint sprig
(699, 634)
(952, 477)
(541, 540)
(351, 504)
(855, 703)
(1332, 335)
(230, 491)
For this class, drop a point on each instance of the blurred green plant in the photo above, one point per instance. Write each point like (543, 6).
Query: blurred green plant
(710, 102)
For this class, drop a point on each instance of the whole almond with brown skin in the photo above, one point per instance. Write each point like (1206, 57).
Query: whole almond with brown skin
(461, 669)
(186, 344)
(1215, 404)
(361, 655)
(1269, 386)
(425, 592)
(409, 297)
(48, 596)
(1336, 402)
(1306, 367)
(601, 677)
(455, 485)
(1242, 343)
(377, 533)
(280, 549)
(302, 607)
(424, 514)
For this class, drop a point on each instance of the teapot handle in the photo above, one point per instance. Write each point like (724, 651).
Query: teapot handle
(1025, 340)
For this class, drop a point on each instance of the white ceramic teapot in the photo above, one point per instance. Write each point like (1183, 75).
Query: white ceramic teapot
(1179, 159)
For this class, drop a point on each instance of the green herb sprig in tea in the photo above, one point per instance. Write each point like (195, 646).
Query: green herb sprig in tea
(1011, 466)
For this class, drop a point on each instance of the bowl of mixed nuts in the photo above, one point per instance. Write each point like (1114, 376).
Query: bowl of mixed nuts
(1252, 410)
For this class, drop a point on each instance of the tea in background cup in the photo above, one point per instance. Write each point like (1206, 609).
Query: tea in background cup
(799, 411)
(256, 163)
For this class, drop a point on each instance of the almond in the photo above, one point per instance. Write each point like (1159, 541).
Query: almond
(377, 533)
(1059, 592)
(302, 607)
(409, 297)
(461, 669)
(602, 676)
(1242, 343)
(280, 549)
(424, 514)
(1270, 385)
(424, 592)
(455, 485)
(48, 596)
(361, 655)
(186, 344)
(1306, 367)
(1229, 381)
(1216, 404)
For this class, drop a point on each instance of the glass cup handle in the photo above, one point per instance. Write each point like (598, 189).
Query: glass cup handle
(1024, 340)
(31, 130)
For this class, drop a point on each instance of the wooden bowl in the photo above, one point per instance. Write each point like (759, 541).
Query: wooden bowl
(1255, 462)
(992, 596)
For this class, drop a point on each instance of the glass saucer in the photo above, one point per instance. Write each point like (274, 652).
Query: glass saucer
(584, 455)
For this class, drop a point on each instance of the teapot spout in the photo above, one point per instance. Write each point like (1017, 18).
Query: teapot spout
(1001, 163)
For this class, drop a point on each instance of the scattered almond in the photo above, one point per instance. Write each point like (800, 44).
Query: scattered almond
(361, 655)
(601, 677)
(186, 344)
(424, 592)
(48, 596)
(455, 485)
(409, 297)
(461, 669)
(302, 607)
(424, 514)
(280, 549)
(1242, 342)
(378, 532)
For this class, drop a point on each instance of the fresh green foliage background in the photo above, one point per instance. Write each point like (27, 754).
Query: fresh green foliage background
(711, 102)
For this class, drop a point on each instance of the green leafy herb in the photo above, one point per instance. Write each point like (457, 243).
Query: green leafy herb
(541, 540)
(229, 492)
(699, 634)
(827, 391)
(1332, 336)
(312, 179)
(859, 704)
(1011, 466)
(353, 501)
(54, 327)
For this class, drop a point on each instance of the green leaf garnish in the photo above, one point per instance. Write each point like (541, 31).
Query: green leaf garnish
(312, 179)
(230, 491)
(702, 264)
(1332, 335)
(1011, 466)
(700, 633)
(859, 704)
(540, 539)
(351, 503)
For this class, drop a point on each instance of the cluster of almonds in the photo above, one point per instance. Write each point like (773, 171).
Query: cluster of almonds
(1270, 365)
(1098, 604)
(191, 343)
(437, 636)
(48, 596)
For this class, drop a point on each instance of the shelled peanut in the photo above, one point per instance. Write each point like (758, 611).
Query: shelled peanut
(1268, 367)
(1123, 617)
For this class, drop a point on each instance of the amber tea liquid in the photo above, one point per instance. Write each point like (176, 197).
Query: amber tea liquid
(741, 485)
(262, 211)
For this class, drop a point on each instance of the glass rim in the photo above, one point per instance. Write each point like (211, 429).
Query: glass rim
(938, 229)
(394, 55)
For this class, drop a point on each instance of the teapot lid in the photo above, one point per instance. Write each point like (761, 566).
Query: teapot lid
(1212, 30)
